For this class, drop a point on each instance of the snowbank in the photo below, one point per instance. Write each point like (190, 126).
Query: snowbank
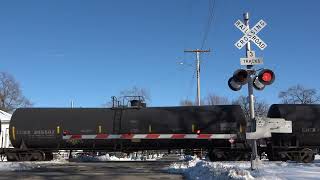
(317, 159)
(205, 170)
(107, 157)
(89, 158)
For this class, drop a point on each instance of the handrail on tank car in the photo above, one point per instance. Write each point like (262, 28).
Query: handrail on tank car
(126, 100)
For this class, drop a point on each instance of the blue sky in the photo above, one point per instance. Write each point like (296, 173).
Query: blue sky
(87, 51)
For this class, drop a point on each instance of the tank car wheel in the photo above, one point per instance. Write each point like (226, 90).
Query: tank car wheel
(48, 156)
(236, 156)
(188, 152)
(211, 157)
(12, 157)
(215, 155)
(37, 156)
(2, 157)
(307, 156)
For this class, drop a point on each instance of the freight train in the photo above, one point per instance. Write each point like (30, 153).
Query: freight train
(36, 133)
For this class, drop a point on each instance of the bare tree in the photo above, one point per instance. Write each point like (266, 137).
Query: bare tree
(212, 99)
(186, 102)
(136, 91)
(299, 95)
(261, 107)
(11, 96)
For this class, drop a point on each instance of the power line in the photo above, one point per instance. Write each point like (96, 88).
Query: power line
(198, 51)
(188, 15)
(210, 21)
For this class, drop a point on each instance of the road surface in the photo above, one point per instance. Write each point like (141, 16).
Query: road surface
(95, 170)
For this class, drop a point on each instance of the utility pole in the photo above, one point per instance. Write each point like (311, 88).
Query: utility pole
(198, 51)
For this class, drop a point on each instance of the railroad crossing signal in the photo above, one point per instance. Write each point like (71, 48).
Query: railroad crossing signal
(241, 77)
(250, 34)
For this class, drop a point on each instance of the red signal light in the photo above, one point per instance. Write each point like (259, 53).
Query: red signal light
(198, 131)
(231, 140)
(65, 133)
(266, 77)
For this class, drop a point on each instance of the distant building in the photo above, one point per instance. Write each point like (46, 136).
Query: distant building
(4, 138)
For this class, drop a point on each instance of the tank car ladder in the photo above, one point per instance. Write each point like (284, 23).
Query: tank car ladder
(117, 120)
(117, 108)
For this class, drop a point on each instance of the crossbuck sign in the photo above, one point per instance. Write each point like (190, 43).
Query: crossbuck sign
(250, 34)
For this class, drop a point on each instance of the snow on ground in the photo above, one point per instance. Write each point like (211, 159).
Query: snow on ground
(205, 170)
(28, 165)
(107, 157)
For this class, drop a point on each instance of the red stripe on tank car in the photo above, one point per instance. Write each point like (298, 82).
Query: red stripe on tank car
(152, 136)
(102, 136)
(126, 136)
(76, 136)
(177, 136)
(204, 136)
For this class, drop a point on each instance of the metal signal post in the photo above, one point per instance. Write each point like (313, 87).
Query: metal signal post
(198, 51)
(254, 157)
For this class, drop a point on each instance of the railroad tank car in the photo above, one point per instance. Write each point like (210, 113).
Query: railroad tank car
(123, 129)
(304, 142)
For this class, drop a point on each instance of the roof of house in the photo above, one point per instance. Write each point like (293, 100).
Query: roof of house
(4, 116)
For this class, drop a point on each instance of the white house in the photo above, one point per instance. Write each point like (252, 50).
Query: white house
(4, 138)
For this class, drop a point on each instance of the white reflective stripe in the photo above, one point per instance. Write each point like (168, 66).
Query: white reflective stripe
(66, 137)
(89, 136)
(139, 136)
(165, 136)
(223, 136)
(190, 136)
(114, 136)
